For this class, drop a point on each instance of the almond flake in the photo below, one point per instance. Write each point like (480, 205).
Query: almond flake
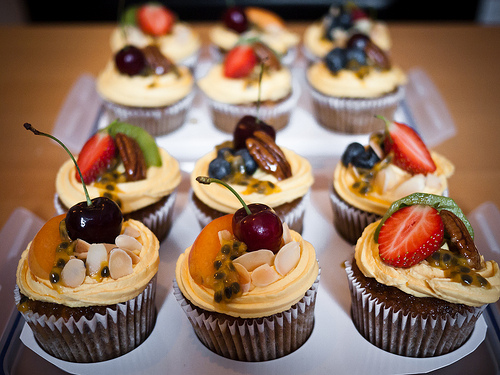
(73, 273)
(96, 257)
(124, 241)
(254, 259)
(120, 263)
(264, 275)
(287, 258)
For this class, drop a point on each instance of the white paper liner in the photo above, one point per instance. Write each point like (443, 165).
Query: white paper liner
(253, 339)
(354, 115)
(294, 218)
(225, 115)
(407, 335)
(311, 58)
(158, 120)
(159, 221)
(190, 61)
(98, 339)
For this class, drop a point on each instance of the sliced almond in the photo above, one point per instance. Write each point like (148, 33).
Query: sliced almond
(389, 177)
(287, 235)
(81, 246)
(109, 246)
(120, 263)
(264, 275)
(224, 235)
(124, 241)
(132, 232)
(97, 256)
(73, 273)
(135, 258)
(412, 185)
(433, 182)
(245, 279)
(287, 258)
(254, 259)
(82, 256)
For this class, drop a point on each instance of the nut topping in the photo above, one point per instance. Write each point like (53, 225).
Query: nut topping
(268, 155)
(266, 56)
(132, 157)
(158, 62)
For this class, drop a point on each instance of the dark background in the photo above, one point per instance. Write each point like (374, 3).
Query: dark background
(41, 11)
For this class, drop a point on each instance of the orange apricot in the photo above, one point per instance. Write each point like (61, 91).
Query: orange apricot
(205, 248)
(42, 252)
(263, 17)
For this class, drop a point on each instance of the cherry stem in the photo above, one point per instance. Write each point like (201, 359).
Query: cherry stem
(37, 132)
(209, 180)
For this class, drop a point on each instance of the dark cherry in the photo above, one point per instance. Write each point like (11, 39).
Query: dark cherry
(130, 60)
(101, 222)
(245, 129)
(235, 19)
(358, 40)
(262, 229)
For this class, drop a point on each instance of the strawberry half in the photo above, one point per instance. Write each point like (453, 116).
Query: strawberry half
(95, 156)
(155, 19)
(239, 62)
(410, 235)
(410, 152)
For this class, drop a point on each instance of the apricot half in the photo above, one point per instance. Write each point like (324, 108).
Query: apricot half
(42, 252)
(205, 248)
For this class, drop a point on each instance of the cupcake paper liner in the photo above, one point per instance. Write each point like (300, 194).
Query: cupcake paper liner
(408, 335)
(253, 339)
(225, 116)
(158, 220)
(355, 115)
(100, 338)
(156, 120)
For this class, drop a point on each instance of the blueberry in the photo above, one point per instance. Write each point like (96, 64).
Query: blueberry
(353, 150)
(355, 57)
(219, 168)
(221, 152)
(344, 20)
(248, 160)
(336, 59)
(366, 159)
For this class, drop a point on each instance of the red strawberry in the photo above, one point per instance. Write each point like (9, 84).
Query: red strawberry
(410, 152)
(155, 19)
(410, 235)
(95, 156)
(358, 14)
(239, 62)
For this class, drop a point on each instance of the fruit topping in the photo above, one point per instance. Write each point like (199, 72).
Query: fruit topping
(96, 156)
(130, 60)
(155, 19)
(410, 235)
(410, 152)
(245, 128)
(132, 157)
(239, 61)
(257, 225)
(234, 18)
(340, 21)
(359, 156)
(264, 19)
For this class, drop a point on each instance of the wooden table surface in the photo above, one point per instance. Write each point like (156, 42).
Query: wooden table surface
(39, 65)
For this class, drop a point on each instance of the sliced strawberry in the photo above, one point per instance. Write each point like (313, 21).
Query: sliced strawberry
(95, 156)
(239, 62)
(410, 235)
(410, 152)
(155, 19)
(358, 14)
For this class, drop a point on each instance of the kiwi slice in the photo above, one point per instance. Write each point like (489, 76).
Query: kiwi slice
(437, 201)
(145, 140)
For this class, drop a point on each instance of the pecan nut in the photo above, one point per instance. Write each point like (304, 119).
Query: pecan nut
(132, 157)
(268, 155)
(157, 61)
(460, 239)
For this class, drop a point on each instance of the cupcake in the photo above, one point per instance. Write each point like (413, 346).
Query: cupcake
(369, 178)
(350, 85)
(86, 283)
(145, 88)
(259, 170)
(248, 286)
(250, 81)
(123, 162)
(337, 26)
(418, 283)
(253, 23)
(155, 24)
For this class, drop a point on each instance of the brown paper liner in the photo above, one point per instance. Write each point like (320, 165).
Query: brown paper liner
(291, 213)
(156, 121)
(355, 115)
(121, 329)
(253, 339)
(418, 333)
(157, 217)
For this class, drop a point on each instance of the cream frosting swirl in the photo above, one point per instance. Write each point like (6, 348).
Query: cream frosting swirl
(144, 91)
(277, 38)
(423, 280)
(134, 195)
(379, 199)
(346, 83)
(92, 292)
(316, 43)
(276, 85)
(221, 199)
(260, 301)
(178, 45)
